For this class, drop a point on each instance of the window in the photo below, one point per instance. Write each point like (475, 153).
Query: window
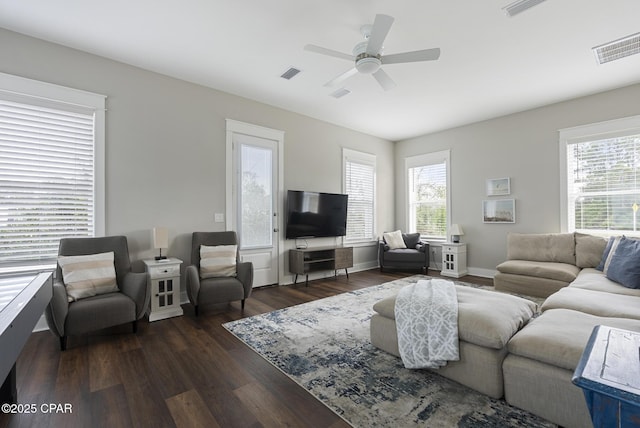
(360, 185)
(51, 162)
(600, 170)
(428, 194)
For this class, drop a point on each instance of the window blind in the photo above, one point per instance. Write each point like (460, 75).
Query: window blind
(428, 199)
(360, 186)
(46, 179)
(603, 186)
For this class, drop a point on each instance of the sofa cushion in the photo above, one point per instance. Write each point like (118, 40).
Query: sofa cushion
(527, 285)
(559, 336)
(404, 255)
(597, 303)
(485, 318)
(548, 247)
(589, 250)
(394, 239)
(593, 279)
(624, 267)
(550, 270)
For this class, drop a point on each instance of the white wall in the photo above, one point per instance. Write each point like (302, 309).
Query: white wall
(165, 145)
(523, 146)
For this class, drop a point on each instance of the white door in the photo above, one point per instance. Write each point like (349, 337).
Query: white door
(255, 203)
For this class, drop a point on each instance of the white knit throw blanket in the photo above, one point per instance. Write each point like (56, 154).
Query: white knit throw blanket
(427, 323)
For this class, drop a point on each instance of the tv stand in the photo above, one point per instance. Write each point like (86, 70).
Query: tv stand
(305, 260)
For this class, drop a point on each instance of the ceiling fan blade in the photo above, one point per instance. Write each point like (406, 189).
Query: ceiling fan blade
(329, 52)
(342, 77)
(415, 56)
(379, 31)
(384, 80)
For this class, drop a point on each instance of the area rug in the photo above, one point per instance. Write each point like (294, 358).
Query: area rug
(324, 346)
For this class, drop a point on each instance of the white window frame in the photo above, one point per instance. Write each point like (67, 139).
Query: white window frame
(595, 131)
(349, 155)
(423, 160)
(30, 91)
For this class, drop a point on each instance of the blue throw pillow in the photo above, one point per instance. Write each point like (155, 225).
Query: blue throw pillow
(607, 249)
(624, 267)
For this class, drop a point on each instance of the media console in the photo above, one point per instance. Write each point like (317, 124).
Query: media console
(305, 260)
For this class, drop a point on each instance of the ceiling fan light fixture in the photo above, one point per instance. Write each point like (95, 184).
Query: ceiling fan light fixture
(520, 6)
(368, 65)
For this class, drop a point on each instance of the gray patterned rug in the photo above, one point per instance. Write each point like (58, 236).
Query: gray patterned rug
(324, 346)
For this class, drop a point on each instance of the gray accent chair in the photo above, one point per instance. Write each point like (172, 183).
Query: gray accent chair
(415, 256)
(219, 289)
(129, 304)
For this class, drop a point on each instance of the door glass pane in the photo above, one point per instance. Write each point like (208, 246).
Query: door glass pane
(255, 197)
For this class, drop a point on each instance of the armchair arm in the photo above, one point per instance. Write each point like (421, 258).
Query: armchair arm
(382, 247)
(245, 276)
(424, 247)
(135, 286)
(192, 282)
(57, 309)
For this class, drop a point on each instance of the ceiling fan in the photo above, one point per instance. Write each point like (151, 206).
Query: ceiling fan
(368, 57)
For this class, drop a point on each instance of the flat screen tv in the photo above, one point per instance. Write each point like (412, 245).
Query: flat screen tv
(315, 214)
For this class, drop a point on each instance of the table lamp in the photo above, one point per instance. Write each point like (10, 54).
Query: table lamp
(456, 231)
(160, 240)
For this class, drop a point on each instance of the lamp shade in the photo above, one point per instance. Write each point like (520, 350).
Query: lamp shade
(160, 237)
(456, 229)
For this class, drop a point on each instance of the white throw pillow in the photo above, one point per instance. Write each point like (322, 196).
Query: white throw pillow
(394, 239)
(90, 275)
(218, 260)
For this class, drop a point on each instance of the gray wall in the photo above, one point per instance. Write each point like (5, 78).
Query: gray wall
(523, 146)
(165, 145)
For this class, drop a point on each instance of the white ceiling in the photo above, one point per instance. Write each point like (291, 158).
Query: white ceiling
(490, 64)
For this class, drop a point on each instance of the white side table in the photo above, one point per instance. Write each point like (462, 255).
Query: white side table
(164, 283)
(454, 260)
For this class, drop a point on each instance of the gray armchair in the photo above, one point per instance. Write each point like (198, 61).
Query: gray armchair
(218, 289)
(129, 304)
(415, 256)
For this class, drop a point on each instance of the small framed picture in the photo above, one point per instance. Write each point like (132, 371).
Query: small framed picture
(499, 211)
(498, 186)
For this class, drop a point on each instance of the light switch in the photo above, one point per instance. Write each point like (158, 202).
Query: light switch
(219, 217)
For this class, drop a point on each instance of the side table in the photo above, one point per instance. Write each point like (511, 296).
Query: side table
(454, 259)
(609, 375)
(164, 283)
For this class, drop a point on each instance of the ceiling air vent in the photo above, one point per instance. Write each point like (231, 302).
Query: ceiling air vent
(339, 93)
(520, 6)
(617, 49)
(290, 73)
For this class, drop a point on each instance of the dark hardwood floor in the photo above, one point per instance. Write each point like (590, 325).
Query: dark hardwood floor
(179, 372)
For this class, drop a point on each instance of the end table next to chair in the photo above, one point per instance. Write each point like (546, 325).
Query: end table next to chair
(164, 283)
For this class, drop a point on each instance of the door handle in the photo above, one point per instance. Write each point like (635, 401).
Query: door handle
(275, 229)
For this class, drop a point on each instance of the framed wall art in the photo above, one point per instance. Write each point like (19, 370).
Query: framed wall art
(499, 211)
(499, 186)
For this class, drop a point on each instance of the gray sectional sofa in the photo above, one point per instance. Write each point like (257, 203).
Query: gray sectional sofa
(542, 353)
